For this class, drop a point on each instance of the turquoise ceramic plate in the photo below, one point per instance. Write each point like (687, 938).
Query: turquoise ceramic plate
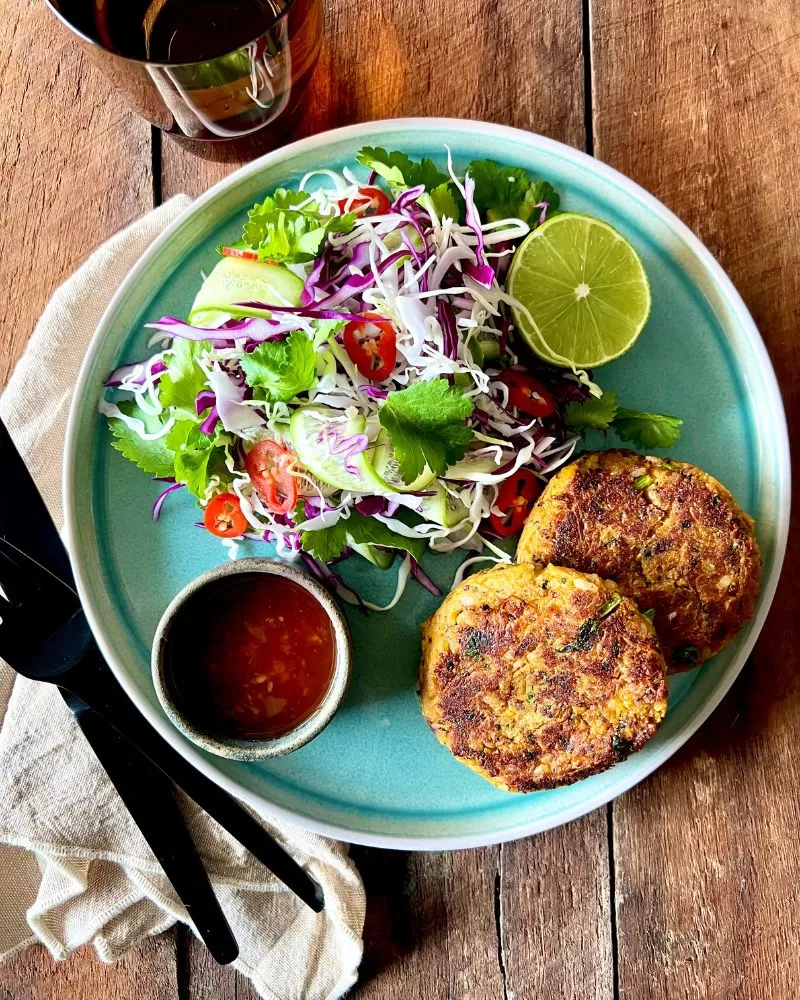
(377, 775)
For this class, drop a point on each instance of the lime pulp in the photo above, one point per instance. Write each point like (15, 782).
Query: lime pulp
(582, 292)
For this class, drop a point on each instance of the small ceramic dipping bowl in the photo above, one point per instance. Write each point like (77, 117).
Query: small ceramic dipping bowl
(178, 651)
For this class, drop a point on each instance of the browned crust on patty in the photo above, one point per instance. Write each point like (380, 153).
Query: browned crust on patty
(540, 678)
(680, 544)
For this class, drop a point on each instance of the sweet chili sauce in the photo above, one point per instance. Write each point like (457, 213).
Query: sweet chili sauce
(253, 657)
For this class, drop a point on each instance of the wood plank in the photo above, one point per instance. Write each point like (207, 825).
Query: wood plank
(555, 910)
(407, 58)
(699, 102)
(75, 165)
(430, 928)
(146, 973)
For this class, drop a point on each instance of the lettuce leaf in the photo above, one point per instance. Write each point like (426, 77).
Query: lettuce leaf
(184, 377)
(287, 227)
(198, 456)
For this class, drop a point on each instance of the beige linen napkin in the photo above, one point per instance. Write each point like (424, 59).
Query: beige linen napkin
(73, 867)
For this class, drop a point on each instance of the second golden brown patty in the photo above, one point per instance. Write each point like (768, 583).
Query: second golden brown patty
(538, 679)
(670, 535)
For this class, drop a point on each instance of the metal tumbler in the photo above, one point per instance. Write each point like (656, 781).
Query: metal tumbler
(255, 84)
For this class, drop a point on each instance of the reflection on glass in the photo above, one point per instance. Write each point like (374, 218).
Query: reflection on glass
(205, 69)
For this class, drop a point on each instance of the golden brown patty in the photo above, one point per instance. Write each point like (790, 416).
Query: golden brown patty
(537, 679)
(670, 535)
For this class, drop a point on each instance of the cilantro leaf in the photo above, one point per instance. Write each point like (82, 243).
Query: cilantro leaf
(399, 170)
(197, 456)
(426, 425)
(184, 377)
(501, 191)
(282, 369)
(326, 544)
(595, 413)
(284, 228)
(154, 457)
(444, 202)
(647, 430)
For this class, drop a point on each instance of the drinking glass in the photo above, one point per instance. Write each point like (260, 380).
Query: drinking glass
(191, 90)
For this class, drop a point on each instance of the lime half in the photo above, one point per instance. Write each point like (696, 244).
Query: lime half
(583, 291)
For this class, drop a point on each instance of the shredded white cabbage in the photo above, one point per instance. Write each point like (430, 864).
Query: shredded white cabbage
(411, 292)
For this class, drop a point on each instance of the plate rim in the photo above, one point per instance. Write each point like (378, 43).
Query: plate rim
(782, 457)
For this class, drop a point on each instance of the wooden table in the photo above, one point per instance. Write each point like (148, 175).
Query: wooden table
(687, 886)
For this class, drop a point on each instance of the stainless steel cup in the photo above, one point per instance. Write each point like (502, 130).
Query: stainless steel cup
(256, 85)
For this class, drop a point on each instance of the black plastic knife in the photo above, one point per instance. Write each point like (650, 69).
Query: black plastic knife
(145, 791)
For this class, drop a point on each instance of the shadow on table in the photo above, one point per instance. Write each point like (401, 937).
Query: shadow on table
(398, 920)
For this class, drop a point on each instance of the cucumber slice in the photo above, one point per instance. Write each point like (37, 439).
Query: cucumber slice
(385, 465)
(312, 487)
(443, 508)
(470, 464)
(237, 280)
(312, 429)
(484, 347)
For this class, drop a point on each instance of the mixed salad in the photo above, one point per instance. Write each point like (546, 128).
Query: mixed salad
(350, 379)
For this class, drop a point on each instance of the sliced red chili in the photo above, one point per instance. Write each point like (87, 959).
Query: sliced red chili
(515, 498)
(223, 516)
(528, 394)
(371, 345)
(243, 253)
(368, 201)
(269, 466)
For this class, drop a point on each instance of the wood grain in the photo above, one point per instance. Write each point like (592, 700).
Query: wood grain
(430, 928)
(699, 102)
(391, 60)
(555, 910)
(146, 973)
(75, 165)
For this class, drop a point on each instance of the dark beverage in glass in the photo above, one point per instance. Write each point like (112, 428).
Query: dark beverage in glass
(203, 69)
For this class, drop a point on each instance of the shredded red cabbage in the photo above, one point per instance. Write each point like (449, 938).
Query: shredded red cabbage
(422, 578)
(119, 375)
(208, 425)
(544, 206)
(312, 281)
(407, 198)
(348, 448)
(370, 506)
(374, 391)
(159, 501)
(205, 399)
(480, 271)
(447, 321)
(253, 328)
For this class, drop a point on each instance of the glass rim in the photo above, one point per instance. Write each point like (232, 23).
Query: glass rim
(166, 65)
